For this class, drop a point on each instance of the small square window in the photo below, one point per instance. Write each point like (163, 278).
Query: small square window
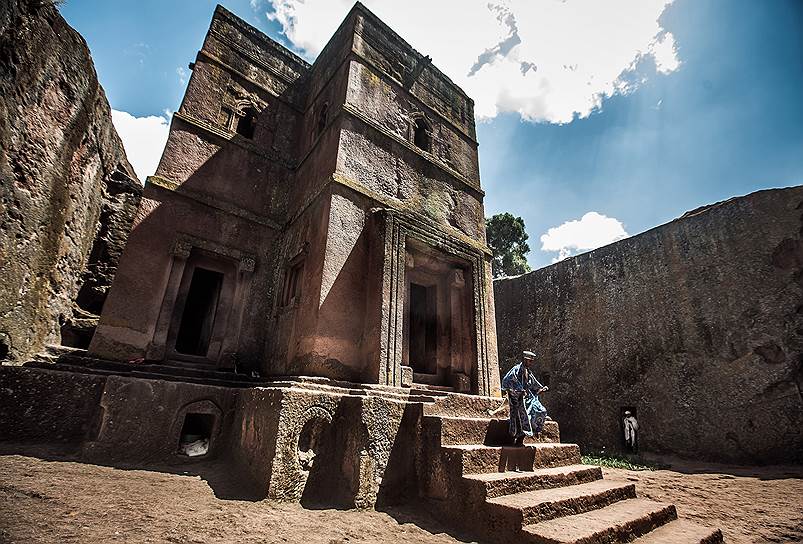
(422, 135)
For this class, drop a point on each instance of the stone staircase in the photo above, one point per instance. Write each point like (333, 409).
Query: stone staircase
(540, 493)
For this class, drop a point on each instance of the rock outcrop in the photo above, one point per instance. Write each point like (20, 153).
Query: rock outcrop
(68, 195)
(697, 325)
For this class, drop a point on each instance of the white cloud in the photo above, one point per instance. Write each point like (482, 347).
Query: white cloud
(143, 138)
(664, 51)
(549, 61)
(182, 75)
(591, 231)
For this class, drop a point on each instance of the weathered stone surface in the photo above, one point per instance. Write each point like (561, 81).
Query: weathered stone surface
(286, 441)
(48, 406)
(324, 198)
(67, 192)
(697, 324)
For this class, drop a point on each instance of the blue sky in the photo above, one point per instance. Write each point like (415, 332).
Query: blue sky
(718, 113)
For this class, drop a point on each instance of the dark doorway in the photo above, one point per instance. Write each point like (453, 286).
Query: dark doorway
(196, 434)
(423, 328)
(198, 318)
(622, 415)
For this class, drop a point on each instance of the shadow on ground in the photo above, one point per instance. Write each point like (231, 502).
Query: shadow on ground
(225, 481)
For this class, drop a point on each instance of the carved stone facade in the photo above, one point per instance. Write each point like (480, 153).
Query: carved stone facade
(322, 220)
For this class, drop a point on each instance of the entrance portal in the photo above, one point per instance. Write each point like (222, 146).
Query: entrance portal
(439, 332)
(423, 328)
(198, 318)
(202, 311)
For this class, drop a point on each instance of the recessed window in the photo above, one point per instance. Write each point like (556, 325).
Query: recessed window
(421, 135)
(246, 123)
(292, 283)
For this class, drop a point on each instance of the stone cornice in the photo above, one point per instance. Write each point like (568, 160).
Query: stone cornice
(209, 57)
(248, 145)
(409, 211)
(437, 113)
(283, 51)
(357, 187)
(358, 6)
(197, 196)
(240, 24)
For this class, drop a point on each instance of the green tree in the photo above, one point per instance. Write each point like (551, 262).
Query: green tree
(508, 241)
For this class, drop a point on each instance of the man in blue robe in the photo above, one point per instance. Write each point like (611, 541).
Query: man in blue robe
(527, 414)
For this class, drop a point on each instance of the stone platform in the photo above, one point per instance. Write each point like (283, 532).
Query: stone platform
(317, 441)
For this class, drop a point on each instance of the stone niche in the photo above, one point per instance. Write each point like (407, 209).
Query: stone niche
(438, 317)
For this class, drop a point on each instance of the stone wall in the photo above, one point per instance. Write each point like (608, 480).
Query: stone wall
(67, 192)
(697, 324)
(289, 441)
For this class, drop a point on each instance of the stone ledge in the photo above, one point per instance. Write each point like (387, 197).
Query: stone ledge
(201, 198)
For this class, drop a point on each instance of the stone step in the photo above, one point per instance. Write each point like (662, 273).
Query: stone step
(464, 405)
(681, 531)
(544, 504)
(485, 430)
(474, 459)
(430, 387)
(214, 378)
(355, 391)
(622, 521)
(141, 373)
(496, 484)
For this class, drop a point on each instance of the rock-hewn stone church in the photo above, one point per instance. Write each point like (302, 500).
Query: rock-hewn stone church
(321, 219)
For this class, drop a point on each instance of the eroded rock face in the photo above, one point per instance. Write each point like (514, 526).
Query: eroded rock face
(67, 192)
(696, 324)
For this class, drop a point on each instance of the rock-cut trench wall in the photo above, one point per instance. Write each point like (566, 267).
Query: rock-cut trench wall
(68, 195)
(696, 324)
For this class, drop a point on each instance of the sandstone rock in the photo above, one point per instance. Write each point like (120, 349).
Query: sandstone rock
(697, 324)
(67, 192)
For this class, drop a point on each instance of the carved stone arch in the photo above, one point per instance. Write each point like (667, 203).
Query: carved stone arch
(246, 113)
(309, 433)
(200, 410)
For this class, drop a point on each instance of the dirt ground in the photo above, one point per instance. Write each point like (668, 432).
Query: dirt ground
(749, 504)
(60, 501)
